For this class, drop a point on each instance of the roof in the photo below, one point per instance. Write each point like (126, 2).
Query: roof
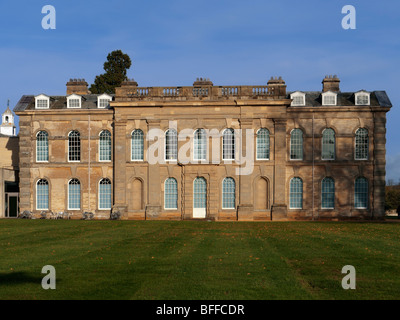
(314, 99)
(27, 102)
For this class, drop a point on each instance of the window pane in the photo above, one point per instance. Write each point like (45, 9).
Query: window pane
(42, 146)
(361, 193)
(199, 193)
(296, 145)
(228, 193)
(328, 193)
(74, 146)
(296, 193)
(361, 147)
(105, 194)
(104, 103)
(74, 195)
(137, 145)
(228, 145)
(171, 145)
(42, 103)
(171, 194)
(42, 195)
(74, 103)
(105, 146)
(263, 144)
(328, 144)
(200, 145)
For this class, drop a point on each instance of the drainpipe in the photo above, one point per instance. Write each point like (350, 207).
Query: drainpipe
(89, 165)
(313, 162)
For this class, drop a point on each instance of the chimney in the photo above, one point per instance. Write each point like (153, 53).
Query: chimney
(331, 83)
(77, 86)
(276, 86)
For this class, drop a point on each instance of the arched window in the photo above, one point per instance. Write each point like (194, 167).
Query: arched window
(328, 144)
(228, 193)
(361, 147)
(137, 145)
(74, 195)
(228, 144)
(296, 193)
(74, 146)
(171, 194)
(105, 194)
(171, 145)
(263, 144)
(200, 145)
(42, 146)
(296, 145)
(42, 194)
(361, 193)
(105, 146)
(328, 193)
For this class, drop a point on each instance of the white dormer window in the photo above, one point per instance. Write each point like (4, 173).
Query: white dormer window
(329, 98)
(42, 102)
(74, 101)
(299, 99)
(103, 101)
(362, 98)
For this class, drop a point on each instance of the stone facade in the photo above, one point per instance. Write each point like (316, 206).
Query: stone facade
(262, 187)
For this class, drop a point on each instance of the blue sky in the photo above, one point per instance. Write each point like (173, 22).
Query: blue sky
(231, 42)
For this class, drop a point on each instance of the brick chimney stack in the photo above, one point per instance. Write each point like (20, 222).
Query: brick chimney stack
(331, 83)
(77, 86)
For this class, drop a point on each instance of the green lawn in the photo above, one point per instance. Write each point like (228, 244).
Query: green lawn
(198, 259)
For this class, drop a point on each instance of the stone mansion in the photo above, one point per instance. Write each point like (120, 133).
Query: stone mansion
(205, 152)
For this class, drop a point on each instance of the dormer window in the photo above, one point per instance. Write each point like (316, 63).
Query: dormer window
(362, 98)
(329, 98)
(42, 102)
(299, 99)
(103, 101)
(74, 101)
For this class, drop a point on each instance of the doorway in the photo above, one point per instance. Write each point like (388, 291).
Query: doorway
(199, 198)
(11, 205)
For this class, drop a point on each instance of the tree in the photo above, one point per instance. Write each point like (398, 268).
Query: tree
(115, 69)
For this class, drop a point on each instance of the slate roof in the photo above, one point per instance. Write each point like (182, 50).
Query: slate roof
(344, 99)
(313, 99)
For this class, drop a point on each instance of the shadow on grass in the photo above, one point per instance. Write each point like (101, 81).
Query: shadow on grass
(16, 278)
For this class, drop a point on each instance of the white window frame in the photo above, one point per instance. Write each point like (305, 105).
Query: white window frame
(48, 149)
(131, 142)
(329, 94)
(200, 140)
(222, 194)
(80, 195)
(231, 148)
(104, 96)
(165, 192)
(48, 194)
(296, 95)
(302, 194)
(166, 142)
(74, 97)
(80, 146)
(100, 145)
(365, 94)
(42, 97)
(302, 145)
(269, 145)
(111, 194)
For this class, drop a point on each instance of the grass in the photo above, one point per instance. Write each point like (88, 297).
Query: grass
(198, 259)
